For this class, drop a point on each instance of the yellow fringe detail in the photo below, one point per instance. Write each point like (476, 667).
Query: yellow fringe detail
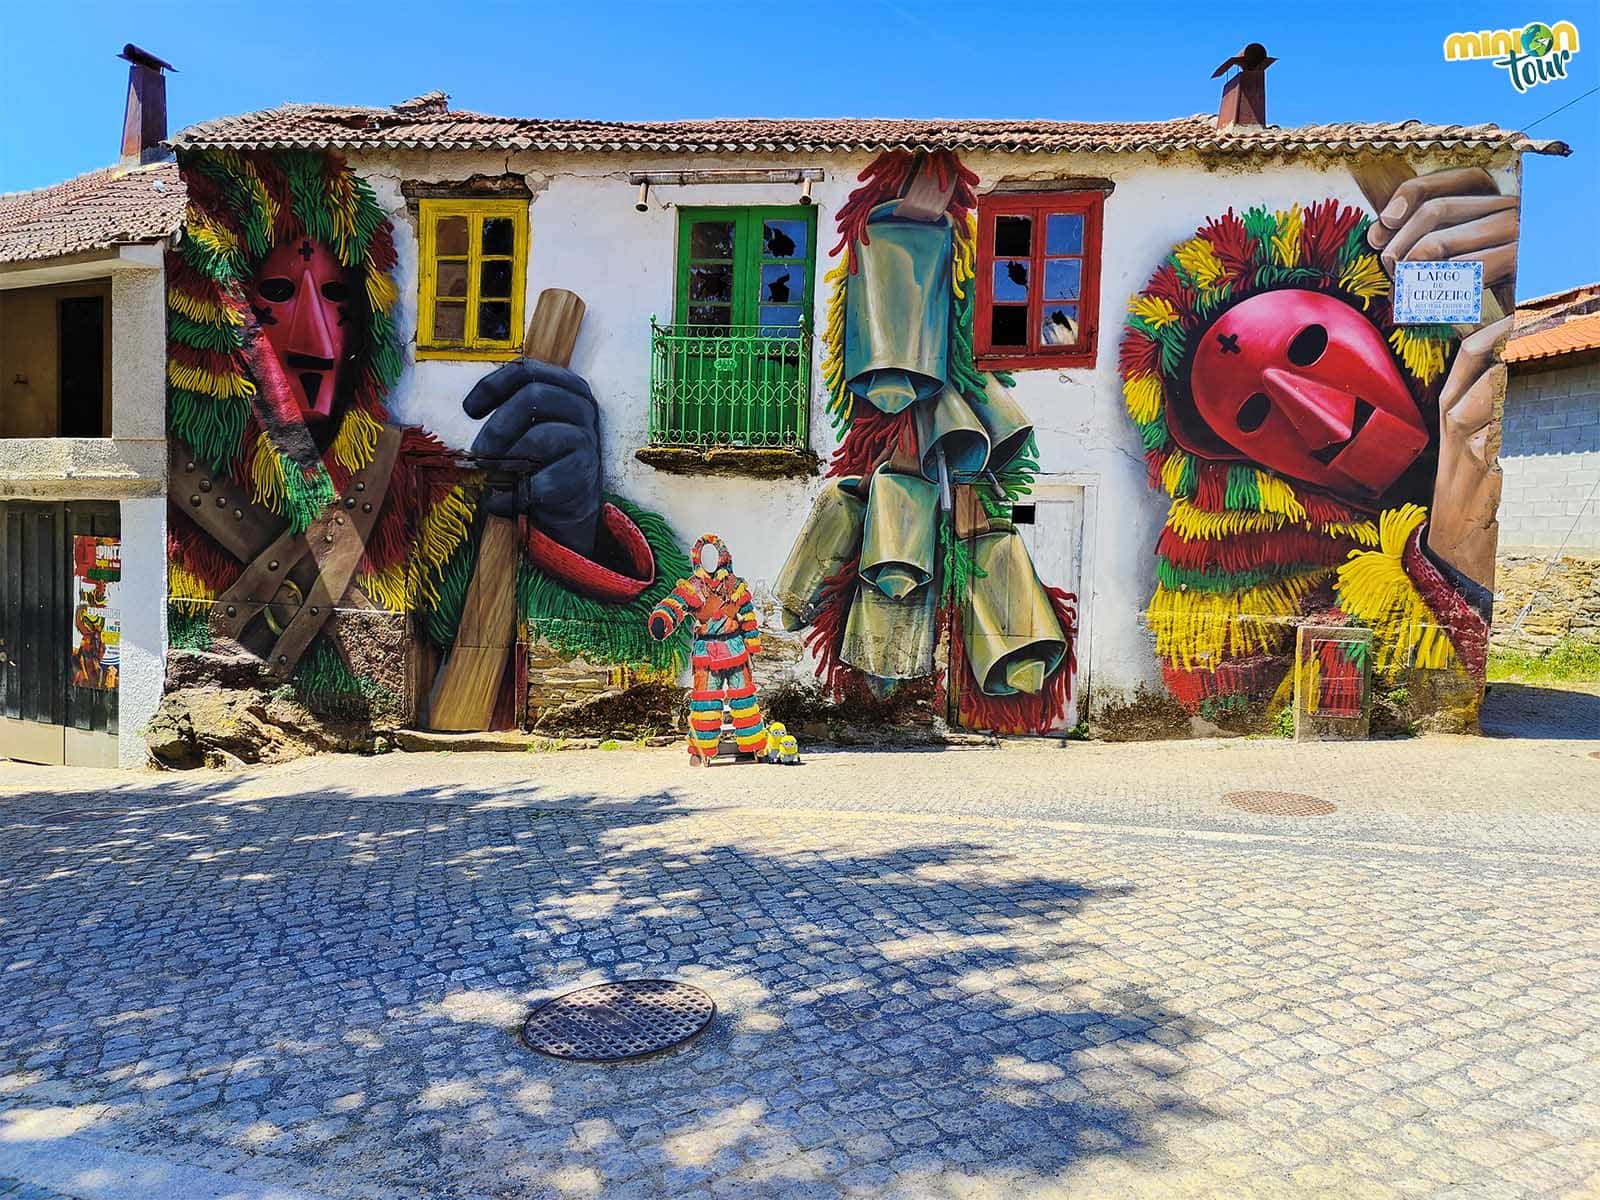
(1365, 532)
(186, 591)
(236, 164)
(1191, 522)
(1156, 311)
(1424, 357)
(203, 311)
(1172, 471)
(215, 237)
(833, 336)
(1198, 258)
(441, 532)
(1142, 394)
(1365, 278)
(387, 588)
(1278, 497)
(1373, 587)
(356, 441)
(1196, 627)
(195, 379)
(381, 290)
(342, 207)
(266, 474)
(1286, 242)
(964, 256)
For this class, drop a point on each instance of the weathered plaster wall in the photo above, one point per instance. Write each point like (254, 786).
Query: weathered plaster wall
(144, 624)
(586, 236)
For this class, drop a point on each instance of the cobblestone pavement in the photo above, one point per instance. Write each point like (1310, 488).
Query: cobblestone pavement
(1031, 971)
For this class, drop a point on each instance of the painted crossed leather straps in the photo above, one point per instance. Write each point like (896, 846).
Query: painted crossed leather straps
(259, 538)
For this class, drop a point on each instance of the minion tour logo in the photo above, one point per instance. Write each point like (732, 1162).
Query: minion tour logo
(1535, 54)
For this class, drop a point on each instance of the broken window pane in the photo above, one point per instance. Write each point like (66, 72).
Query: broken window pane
(711, 283)
(494, 320)
(1060, 325)
(1062, 278)
(1013, 235)
(499, 236)
(450, 236)
(452, 279)
(708, 314)
(1063, 233)
(784, 239)
(494, 279)
(1011, 280)
(1008, 326)
(711, 239)
(779, 284)
(449, 321)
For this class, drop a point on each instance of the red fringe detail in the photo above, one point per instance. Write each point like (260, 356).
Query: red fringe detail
(873, 436)
(380, 250)
(886, 177)
(1338, 680)
(1233, 245)
(1325, 510)
(824, 638)
(1326, 226)
(192, 548)
(1248, 551)
(1211, 493)
(1255, 678)
(1139, 354)
(1468, 631)
(214, 361)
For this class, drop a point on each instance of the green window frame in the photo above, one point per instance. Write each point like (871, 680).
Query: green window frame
(751, 270)
(734, 369)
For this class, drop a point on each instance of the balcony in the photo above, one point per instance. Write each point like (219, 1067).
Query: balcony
(731, 399)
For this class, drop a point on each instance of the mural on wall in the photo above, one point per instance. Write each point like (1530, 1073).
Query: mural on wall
(725, 634)
(1323, 462)
(295, 502)
(909, 547)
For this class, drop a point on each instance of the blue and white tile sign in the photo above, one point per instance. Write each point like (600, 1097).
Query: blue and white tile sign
(1429, 293)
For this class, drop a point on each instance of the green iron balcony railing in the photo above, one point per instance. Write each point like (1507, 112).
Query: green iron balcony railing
(730, 385)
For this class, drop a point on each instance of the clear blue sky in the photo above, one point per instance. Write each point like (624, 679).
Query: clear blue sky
(1339, 61)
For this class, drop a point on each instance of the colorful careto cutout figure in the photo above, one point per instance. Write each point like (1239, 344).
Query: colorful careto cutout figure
(725, 632)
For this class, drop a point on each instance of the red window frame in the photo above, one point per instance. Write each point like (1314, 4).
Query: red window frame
(1038, 206)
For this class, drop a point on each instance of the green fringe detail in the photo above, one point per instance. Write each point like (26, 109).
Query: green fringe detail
(441, 622)
(324, 684)
(307, 191)
(960, 568)
(224, 339)
(1154, 435)
(218, 264)
(1176, 578)
(240, 193)
(386, 362)
(187, 630)
(310, 491)
(578, 627)
(1014, 482)
(1242, 495)
(213, 428)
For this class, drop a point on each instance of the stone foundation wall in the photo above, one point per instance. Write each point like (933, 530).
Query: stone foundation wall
(1562, 601)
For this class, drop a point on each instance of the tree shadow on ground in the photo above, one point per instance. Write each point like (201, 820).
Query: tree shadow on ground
(325, 986)
(1520, 710)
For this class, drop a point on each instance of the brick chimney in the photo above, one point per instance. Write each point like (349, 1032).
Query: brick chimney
(144, 122)
(1244, 95)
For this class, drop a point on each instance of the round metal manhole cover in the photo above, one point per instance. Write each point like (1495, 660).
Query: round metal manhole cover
(613, 1022)
(1280, 804)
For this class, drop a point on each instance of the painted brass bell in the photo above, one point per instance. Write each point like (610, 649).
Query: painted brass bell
(900, 535)
(1005, 422)
(948, 422)
(890, 639)
(829, 539)
(897, 315)
(1009, 629)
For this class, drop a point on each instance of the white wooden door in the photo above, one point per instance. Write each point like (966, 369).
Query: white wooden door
(1052, 528)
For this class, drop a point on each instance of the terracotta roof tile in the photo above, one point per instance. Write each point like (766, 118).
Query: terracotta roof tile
(426, 124)
(104, 208)
(1569, 337)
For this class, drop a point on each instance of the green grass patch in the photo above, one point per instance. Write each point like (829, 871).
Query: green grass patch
(1569, 661)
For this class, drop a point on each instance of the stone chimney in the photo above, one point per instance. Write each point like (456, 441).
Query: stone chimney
(1244, 95)
(144, 121)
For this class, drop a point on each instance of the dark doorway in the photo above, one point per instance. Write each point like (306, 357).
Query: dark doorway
(83, 373)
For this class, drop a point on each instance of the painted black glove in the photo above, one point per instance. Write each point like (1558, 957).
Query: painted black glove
(548, 416)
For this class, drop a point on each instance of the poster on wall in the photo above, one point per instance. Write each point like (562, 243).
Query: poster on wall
(96, 617)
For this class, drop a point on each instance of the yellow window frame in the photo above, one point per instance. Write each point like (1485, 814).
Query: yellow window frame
(429, 214)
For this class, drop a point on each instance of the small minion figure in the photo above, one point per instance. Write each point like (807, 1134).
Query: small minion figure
(788, 751)
(775, 735)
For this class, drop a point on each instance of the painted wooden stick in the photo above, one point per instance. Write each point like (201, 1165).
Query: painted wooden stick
(468, 683)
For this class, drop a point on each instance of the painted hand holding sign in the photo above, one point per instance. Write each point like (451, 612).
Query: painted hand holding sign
(1324, 462)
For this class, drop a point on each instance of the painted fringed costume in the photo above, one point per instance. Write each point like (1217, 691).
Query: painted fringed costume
(1246, 554)
(421, 549)
(878, 576)
(725, 632)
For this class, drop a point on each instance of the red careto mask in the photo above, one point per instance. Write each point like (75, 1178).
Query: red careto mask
(301, 298)
(1302, 384)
